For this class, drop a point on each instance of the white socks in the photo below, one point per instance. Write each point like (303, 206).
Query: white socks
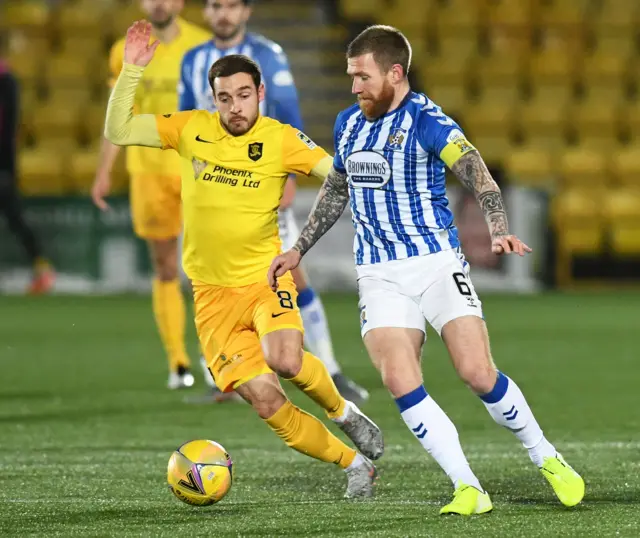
(437, 434)
(508, 407)
(317, 338)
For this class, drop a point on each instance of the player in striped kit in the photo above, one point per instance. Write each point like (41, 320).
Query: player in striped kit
(390, 155)
(228, 20)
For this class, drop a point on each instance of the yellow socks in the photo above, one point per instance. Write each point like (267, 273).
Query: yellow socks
(308, 435)
(169, 311)
(314, 379)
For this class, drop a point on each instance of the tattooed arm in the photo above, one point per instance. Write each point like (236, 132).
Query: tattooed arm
(472, 172)
(329, 205)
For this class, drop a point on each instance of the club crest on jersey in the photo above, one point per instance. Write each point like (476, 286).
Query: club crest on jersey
(395, 139)
(368, 169)
(198, 167)
(255, 151)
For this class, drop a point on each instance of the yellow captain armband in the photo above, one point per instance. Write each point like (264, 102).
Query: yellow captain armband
(457, 146)
(322, 169)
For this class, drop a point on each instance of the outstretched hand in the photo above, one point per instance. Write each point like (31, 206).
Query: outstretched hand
(138, 49)
(506, 244)
(280, 265)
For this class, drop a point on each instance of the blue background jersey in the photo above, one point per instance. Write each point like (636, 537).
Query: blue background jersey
(397, 179)
(281, 97)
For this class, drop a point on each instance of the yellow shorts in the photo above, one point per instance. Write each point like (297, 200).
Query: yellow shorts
(156, 206)
(232, 321)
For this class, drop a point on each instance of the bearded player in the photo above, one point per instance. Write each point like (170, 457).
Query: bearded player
(155, 177)
(391, 149)
(235, 164)
(228, 21)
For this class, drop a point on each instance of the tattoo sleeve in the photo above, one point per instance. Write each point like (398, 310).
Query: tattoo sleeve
(472, 172)
(329, 205)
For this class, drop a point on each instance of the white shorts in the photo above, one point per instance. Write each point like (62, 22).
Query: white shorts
(288, 228)
(403, 293)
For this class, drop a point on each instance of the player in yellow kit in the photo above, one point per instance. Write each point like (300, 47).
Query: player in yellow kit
(155, 176)
(235, 164)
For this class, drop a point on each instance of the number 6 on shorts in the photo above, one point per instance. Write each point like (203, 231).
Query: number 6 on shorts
(461, 282)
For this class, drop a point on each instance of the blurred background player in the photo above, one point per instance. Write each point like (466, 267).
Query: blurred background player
(43, 275)
(228, 21)
(155, 177)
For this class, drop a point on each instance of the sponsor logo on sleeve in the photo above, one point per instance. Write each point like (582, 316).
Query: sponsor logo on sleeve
(306, 140)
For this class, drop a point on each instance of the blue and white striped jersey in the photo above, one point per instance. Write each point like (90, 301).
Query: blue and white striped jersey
(395, 166)
(281, 96)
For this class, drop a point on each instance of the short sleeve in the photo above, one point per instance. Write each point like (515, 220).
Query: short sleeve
(116, 59)
(337, 133)
(299, 153)
(170, 127)
(442, 136)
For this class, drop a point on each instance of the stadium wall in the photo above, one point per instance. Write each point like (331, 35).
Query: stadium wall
(96, 253)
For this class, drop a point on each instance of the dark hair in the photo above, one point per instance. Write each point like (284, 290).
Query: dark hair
(233, 64)
(388, 45)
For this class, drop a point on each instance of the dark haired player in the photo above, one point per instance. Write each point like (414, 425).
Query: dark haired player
(228, 21)
(234, 163)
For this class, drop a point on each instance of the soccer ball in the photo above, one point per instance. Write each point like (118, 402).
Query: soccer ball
(200, 472)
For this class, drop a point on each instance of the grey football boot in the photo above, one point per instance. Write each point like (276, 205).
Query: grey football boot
(361, 480)
(362, 431)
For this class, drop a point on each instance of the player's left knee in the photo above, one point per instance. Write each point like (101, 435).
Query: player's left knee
(165, 267)
(167, 274)
(480, 376)
(263, 398)
(164, 256)
(285, 360)
(266, 408)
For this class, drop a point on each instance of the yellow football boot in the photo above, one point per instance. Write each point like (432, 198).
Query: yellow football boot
(566, 483)
(467, 501)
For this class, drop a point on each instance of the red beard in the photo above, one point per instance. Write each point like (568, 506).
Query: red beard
(375, 107)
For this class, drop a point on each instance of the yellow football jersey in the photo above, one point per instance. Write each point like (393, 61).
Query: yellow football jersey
(231, 189)
(158, 94)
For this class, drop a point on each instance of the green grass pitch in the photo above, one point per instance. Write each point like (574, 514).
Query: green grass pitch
(87, 427)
